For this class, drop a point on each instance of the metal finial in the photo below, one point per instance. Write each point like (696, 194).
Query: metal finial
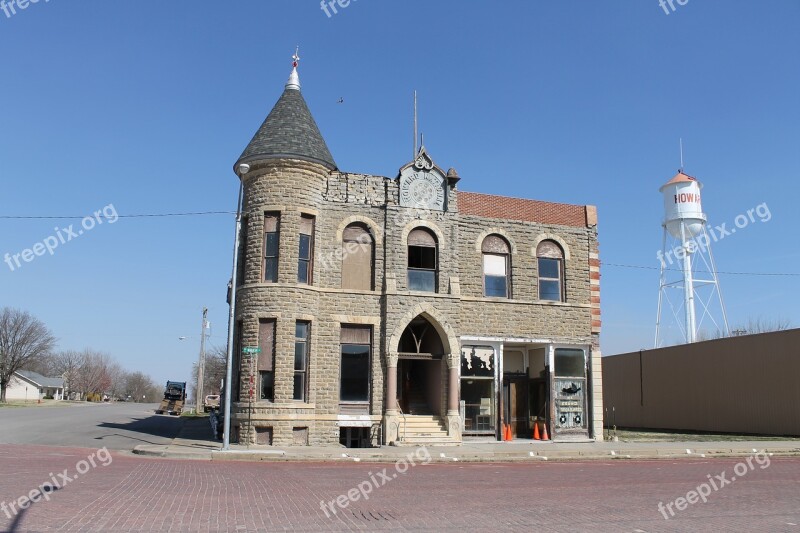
(294, 78)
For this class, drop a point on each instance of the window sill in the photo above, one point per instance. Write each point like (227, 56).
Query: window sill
(274, 405)
(513, 301)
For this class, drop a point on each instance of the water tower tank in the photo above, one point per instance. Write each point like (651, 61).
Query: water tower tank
(682, 204)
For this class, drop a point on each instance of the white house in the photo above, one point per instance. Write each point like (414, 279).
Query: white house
(27, 385)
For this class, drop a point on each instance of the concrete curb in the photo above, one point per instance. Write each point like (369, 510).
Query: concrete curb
(192, 444)
(452, 455)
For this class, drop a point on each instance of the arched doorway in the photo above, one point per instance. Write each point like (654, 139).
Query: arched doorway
(421, 369)
(422, 381)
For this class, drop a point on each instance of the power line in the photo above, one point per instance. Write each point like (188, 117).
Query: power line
(138, 215)
(700, 271)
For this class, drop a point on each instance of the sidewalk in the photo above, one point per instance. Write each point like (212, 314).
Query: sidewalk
(194, 442)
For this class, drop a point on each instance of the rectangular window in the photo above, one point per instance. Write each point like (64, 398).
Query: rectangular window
(550, 286)
(422, 268)
(266, 359)
(301, 348)
(271, 246)
(241, 271)
(355, 369)
(306, 255)
(237, 363)
(495, 278)
(570, 363)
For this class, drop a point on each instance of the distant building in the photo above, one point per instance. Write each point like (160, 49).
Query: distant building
(27, 385)
(402, 309)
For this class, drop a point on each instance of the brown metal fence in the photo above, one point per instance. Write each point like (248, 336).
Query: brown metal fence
(747, 384)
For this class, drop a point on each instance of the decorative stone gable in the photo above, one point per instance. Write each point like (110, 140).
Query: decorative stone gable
(423, 185)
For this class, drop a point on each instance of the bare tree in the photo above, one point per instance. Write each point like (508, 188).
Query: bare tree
(93, 375)
(66, 365)
(117, 378)
(141, 388)
(216, 367)
(214, 372)
(44, 365)
(761, 325)
(24, 340)
(753, 326)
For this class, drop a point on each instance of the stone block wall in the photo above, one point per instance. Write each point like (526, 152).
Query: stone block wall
(293, 188)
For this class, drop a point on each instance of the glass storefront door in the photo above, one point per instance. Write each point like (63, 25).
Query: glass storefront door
(478, 408)
(569, 392)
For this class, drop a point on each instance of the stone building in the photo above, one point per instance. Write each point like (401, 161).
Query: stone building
(401, 309)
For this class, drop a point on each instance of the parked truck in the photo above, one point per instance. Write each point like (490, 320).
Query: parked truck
(211, 402)
(174, 397)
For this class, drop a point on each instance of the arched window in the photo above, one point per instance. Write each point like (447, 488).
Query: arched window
(551, 271)
(357, 257)
(423, 260)
(496, 267)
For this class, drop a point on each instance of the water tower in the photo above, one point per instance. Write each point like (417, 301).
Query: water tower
(688, 273)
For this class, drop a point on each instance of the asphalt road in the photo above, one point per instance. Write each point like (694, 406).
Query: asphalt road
(117, 426)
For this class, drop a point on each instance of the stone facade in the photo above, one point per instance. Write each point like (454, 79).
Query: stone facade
(445, 361)
(292, 188)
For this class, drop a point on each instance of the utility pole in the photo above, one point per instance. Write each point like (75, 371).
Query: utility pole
(201, 364)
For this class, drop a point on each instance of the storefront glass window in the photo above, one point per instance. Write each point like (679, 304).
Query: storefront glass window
(478, 389)
(570, 363)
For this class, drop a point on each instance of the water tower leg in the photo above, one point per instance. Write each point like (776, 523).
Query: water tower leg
(727, 331)
(661, 285)
(688, 288)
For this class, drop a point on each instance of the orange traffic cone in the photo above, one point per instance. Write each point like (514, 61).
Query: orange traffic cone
(536, 431)
(506, 432)
(545, 436)
(510, 433)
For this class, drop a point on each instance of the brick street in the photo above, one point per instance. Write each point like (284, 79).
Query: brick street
(139, 494)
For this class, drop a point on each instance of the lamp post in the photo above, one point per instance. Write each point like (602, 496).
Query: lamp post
(226, 434)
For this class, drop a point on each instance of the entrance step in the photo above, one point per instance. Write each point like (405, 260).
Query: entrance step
(423, 430)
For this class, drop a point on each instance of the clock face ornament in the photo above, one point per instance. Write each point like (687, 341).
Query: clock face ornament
(424, 191)
(421, 184)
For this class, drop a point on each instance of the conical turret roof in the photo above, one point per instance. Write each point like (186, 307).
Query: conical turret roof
(289, 132)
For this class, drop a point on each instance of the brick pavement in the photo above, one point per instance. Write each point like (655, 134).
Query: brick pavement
(141, 494)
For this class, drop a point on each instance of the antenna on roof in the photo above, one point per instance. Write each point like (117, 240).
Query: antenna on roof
(681, 141)
(415, 125)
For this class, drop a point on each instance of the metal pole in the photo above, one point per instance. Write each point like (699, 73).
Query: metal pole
(716, 283)
(688, 288)
(226, 436)
(661, 281)
(201, 365)
(415, 126)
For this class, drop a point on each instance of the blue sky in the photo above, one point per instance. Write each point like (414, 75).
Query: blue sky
(146, 106)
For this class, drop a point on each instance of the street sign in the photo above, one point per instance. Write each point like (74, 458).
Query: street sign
(251, 350)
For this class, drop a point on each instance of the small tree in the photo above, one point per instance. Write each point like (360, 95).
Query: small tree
(24, 340)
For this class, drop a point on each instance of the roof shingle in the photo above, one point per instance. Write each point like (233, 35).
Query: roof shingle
(289, 132)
